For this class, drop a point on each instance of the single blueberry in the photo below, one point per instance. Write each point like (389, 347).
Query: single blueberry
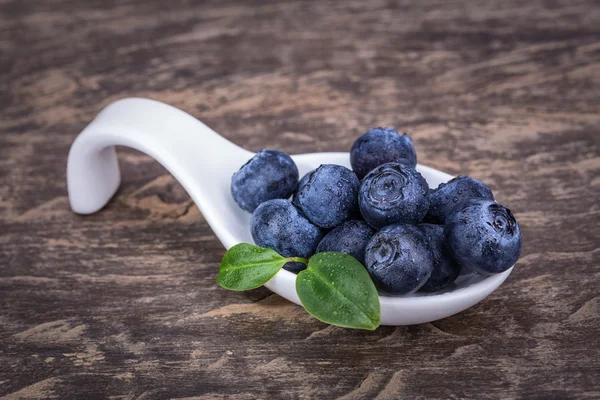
(445, 268)
(350, 237)
(483, 237)
(379, 146)
(294, 267)
(329, 196)
(454, 194)
(278, 225)
(393, 193)
(301, 186)
(270, 174)
(398, 259)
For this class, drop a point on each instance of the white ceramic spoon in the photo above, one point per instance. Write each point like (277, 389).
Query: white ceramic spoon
(203, 162)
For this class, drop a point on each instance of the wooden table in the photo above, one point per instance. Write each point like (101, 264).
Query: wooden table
(123, 304)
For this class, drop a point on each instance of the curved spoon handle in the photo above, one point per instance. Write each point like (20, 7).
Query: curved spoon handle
(197, 156)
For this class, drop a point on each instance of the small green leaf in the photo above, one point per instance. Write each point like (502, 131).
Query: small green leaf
(337, 289)
(246, 266)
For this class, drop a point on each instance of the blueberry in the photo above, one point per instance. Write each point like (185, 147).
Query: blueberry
(380, 146)
(445, 268)
(483, 237)
(350, 237)
(270, 174)
(455, 194)
(398, 259)
(393, 193)
(329, 196)
(294, 267)
(301, 186)
(278, 225)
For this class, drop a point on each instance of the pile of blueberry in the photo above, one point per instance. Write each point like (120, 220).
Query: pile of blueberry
(408, 236)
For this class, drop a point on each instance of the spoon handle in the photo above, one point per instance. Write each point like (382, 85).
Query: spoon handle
(197, 156)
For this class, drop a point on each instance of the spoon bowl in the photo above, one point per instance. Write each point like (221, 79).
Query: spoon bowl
(203, 162)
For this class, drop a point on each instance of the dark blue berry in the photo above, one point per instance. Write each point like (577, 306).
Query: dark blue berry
(393, 193)
(350, 237)
(379, 146)
(294, 267)
(483, 237)
(270, 174)
(301, 185)
(278, 225)
(297, 267)
(445, 268)
(398, 259)
(454, 195)
(329, 196)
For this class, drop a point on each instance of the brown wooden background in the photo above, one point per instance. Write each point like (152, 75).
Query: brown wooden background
(123, 304)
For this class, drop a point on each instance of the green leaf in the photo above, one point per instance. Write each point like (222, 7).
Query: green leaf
(337, 289)
(246, 266)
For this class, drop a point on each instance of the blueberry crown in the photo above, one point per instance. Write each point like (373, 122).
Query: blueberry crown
(502, 219)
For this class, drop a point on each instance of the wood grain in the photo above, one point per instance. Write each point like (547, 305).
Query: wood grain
(123, 304)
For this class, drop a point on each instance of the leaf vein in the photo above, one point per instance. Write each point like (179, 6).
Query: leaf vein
(324, 280)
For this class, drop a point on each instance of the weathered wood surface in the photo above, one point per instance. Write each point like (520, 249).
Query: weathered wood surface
(123, 304)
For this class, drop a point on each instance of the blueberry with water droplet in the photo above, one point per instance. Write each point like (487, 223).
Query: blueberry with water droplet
(270, 174)
(484, 237)
(453, 195)
(350, 237)
(380, 146)
(445, 268)
(301, 186)
(398, 259)
(393, 193)
(278, 225)
(323, 205)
